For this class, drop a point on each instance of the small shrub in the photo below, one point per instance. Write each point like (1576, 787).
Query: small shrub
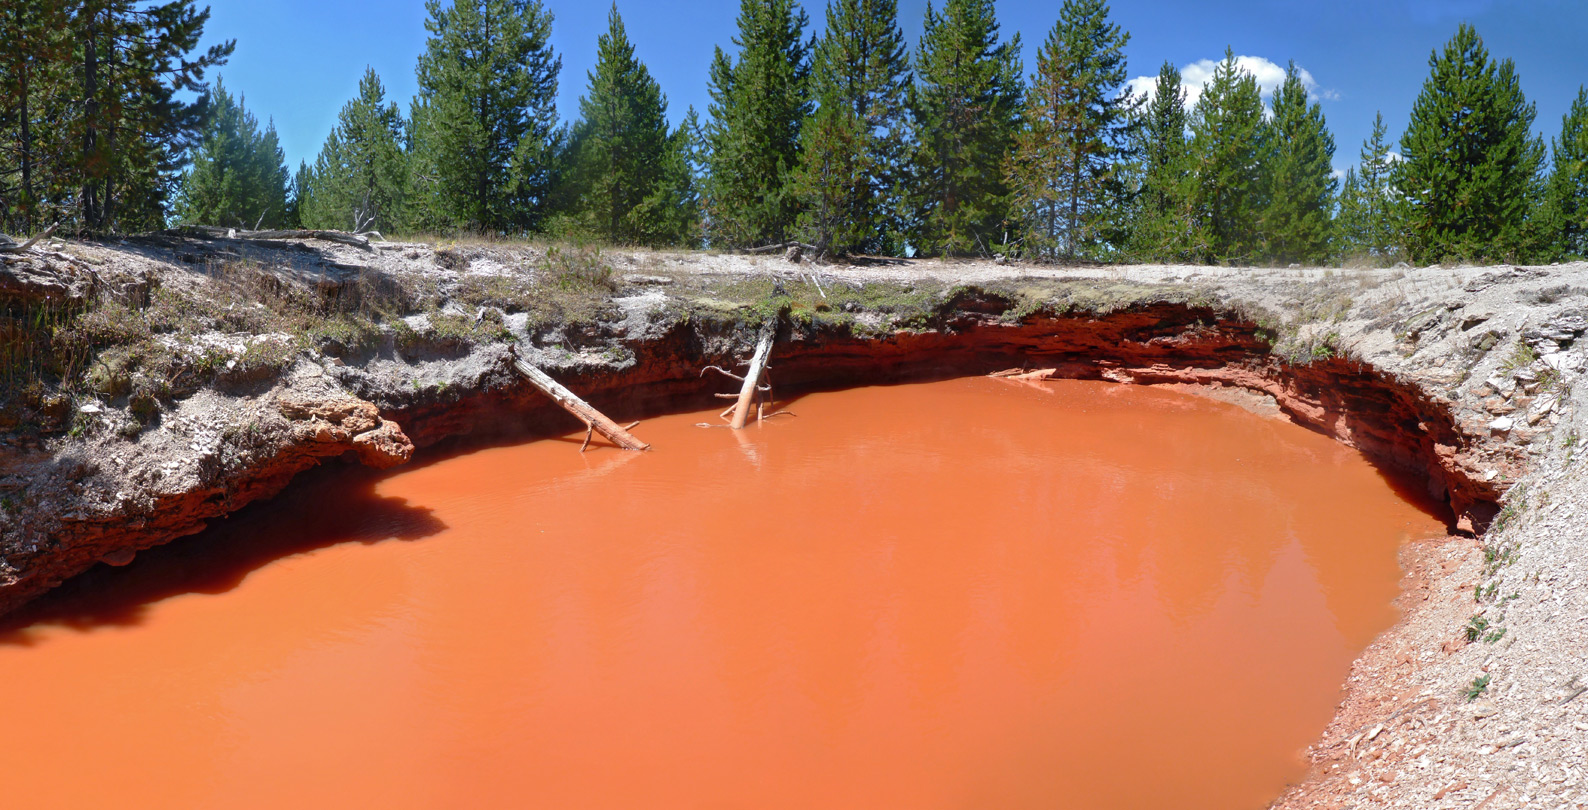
(1521, 357)
(144, 406)
(507, 293)
(453, 260)
(579, 269)
(1479, 685)
(1475, 627)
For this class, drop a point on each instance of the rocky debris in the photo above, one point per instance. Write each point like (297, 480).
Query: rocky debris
(35, 277)
(384, 447)
(342, 422)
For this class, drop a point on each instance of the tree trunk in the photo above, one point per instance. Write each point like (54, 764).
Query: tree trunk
(571, 403)
(752, 379)
(90, 208)
(106, 200)
(27, 153)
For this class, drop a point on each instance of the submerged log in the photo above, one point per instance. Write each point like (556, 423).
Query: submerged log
(570, 402)
(763, 350)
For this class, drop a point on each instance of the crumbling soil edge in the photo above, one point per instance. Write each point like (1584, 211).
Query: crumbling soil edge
(1391, 421)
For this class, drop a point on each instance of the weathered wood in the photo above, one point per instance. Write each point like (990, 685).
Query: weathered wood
(339, 237)
(28, 245)
(780, 246)
(570, 402)
(763, 350)
(326, 236)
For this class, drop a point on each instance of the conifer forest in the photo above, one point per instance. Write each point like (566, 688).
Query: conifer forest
(847, 139)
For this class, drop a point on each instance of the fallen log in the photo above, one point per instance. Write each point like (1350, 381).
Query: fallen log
(752, 379)
(780, 246)
(593, 419)
(339, 237)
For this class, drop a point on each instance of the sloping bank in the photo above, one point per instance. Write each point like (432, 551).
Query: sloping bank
(213, 371)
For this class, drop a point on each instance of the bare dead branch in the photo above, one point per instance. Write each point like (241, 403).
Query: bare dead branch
(722, 371)
(28, 245)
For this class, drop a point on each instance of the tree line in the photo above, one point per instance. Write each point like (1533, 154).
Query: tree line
(844, 139)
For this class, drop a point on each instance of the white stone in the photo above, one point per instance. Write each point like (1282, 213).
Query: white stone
(1502, 424)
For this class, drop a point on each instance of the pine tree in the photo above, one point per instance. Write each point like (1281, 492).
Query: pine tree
(237, 179)
(359, 181)
(1471, 173)
(625, 160)
(852, 171)
(34, 81)
(1164, 224)
(758, 106)
(131, 128)
(298, 196)
(1227, 131)
(1378, 235)
(484, 120)
(1568, 182)
(1350, 219)
(833, 182)
(1065, 170)
(966, 105)
(1300, 174)
(686, 167)
(674, 207)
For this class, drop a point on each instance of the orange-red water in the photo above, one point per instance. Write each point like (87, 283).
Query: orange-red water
(968, 594)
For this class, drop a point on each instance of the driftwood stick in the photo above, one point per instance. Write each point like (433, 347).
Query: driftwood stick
(765, 389)
(815, 279)
(632, 425)
(571, 403)
(763, 349)
(589, 430)
(722, 371)
(28, 245)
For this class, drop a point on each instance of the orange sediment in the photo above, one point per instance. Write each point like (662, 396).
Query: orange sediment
(974, 593)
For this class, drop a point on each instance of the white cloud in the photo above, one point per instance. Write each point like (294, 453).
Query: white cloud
(1142, 86)
(1269, 76)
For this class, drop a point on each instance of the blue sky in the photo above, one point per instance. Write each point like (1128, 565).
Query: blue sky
(298, 61)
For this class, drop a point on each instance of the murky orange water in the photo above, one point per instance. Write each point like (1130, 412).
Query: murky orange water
(968, 594)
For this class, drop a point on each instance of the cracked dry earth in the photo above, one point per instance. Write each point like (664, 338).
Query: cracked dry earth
(1476, 698)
